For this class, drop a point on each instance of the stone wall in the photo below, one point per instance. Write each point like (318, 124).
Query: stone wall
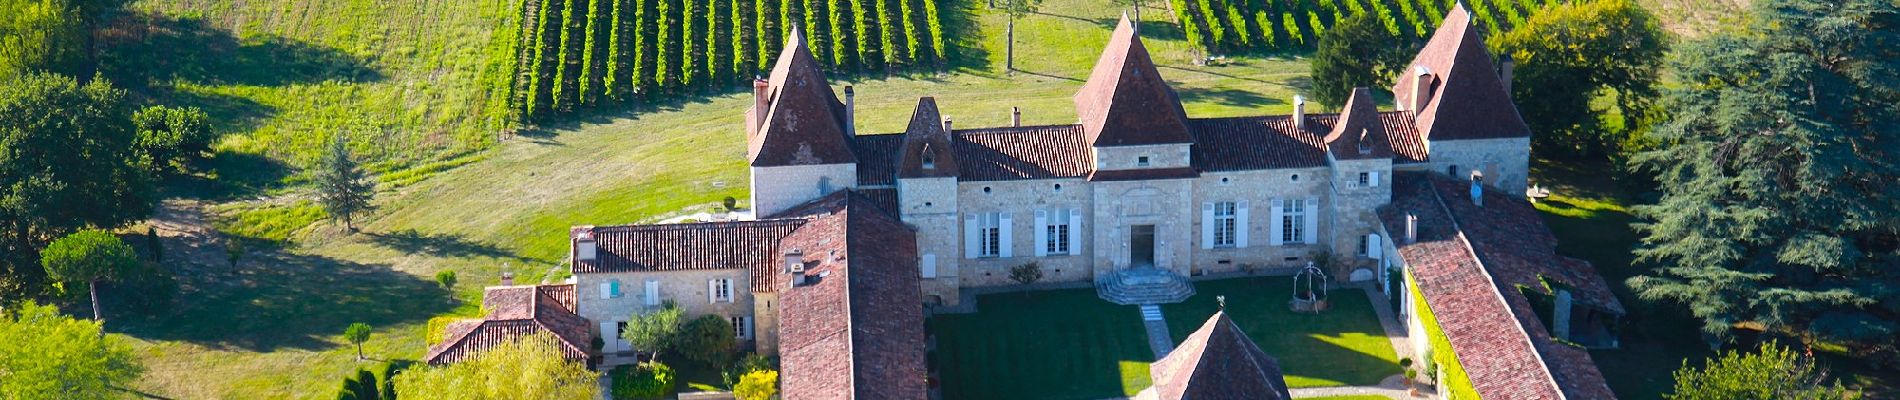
(929, 205)
(1020, 199)
(1121, 205)
(1508, 159)
(687, 288)
(1354, 213)
(1258, 189)
(776, 189)
(1129, 157)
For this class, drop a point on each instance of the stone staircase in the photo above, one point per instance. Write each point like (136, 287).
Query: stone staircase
(1136, 286)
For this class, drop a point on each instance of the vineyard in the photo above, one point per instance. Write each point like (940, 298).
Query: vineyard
(571, 53)
(1240, 26)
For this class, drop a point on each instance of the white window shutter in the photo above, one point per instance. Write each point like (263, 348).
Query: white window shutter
(607, 290)
(1375, 179)
(610, 332)
(927, 266)
(1207, 225)
(1240, 224)
(1276, 225)
(1042, 233)
(1075, 231)
(653, 293)
(972, 237)
(1311, 233)
(1374, 249)
(712, 291)
(1003, 243)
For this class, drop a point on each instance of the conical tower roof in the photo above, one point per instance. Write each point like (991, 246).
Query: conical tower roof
(804, 122)
(1467, 99)
(925, 139)
(1219, 361)
(1125, 102)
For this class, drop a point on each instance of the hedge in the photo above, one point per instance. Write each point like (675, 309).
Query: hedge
(1452, 379)
(1295, 25)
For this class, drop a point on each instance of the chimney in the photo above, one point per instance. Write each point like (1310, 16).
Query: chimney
(1421, 88)
(1411, 228)
(1015, 116)
(1299, 112)
(1477, 192)
(1505, 65)
(850, 112)
(507, 278)
(761, 101)
(946, 125)
(795, 261)
(585, 248)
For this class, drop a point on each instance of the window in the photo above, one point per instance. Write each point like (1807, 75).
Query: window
(610, 289)
(1056, 233)
(719, 291)
(1365, 179)
(1141, 161)
(990, 232)
(1362, 246)
(620, 335)
(741, 327)
(1224, 224)
(1451, 170)
(1293, 221)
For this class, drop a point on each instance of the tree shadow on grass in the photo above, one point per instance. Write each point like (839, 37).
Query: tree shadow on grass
(147, 48)
(228, 175)
(965, 38)
(275, 300)
(1229, 96)
(438, 245)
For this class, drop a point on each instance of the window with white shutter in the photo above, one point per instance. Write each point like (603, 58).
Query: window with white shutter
(927, 266)
(1006, 247)
(719, 291)
(989, 235)
(1311, 211)
(1056, 232)
(1276, 222)
(741, 327)
(653, 293)
(1225, 224)
(1240, 224)
(1293, 221)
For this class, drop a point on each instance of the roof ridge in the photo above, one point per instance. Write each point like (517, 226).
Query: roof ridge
(1492, 287)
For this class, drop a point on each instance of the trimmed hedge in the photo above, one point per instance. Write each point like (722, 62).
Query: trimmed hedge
(647, 380)
(1452, 380)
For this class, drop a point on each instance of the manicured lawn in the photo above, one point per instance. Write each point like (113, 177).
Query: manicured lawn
(1064, 344)
(1342, 346)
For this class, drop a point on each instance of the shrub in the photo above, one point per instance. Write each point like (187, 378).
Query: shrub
(757, 385)
(748, 364)
(1027, 273)
(648, 380)
(708, 340)
(446, 278)
(362, 386)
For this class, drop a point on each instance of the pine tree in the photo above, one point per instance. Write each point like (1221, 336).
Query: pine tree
(1777, 176)
(342, 188)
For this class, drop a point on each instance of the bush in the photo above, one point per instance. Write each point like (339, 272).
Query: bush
(648, 380)
(446, 278)
(750, 363)
(362, 386)
(1027, 273)
(708, 340)
(438, 327)
(757, 385)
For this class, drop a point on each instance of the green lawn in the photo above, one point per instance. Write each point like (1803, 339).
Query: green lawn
(1063, 344)
(1340, 347)
(1069, 344)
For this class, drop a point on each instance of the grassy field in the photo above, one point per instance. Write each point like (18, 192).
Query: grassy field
(1069, 344)
(1343, 346)
(271, 327)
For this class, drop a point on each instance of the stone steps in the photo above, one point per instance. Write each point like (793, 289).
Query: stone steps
(1144, 286)
(1150, 312)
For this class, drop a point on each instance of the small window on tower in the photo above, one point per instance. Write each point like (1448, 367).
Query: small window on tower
(930, 162)
(1141, 161)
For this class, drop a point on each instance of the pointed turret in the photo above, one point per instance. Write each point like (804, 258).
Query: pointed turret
(1125, 102)
(803, 122)
(1359, 133)
(1218, 361)
(1454, 88)
(927, 152)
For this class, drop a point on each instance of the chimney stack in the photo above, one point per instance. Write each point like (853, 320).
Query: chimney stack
(1015, 116)
(507, 278)
(1505, 65)
(1299, 112)
(761, 103)
(1411, 228)
(946, 125)
(1477, 192)
(850, 112)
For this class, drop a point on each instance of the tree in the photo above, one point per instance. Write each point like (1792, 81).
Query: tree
(757, 385)
(1776, 173)
(233, 250)
(1570, 53)
(446, 278)
(341, 186)
(529, 367)
(1015, 9)
(171, 138)
(51, 356)
(357, 333)
(90, 257)
(1027, 273)
(41, 35)
(66, 163)
(655, 331)
(1772, 372)
(708, 340)
(1357, 52)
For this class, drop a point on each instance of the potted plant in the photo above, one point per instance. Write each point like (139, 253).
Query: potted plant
(1411, 376)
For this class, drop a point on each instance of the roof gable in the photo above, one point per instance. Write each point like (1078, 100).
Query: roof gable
(513, 312)
(1468, 100)
(804, 122)
(1219, 361)
(1125, 102)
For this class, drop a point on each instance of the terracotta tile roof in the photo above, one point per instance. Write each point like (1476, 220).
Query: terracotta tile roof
(513, 312)
(1253, 143)
(884, 199)
(1029, 152)
(1125, 102)
(877, 158)
(1218, 361)
(1468, 100)
(691, 246)
(1468, 262)
(1359, 132)
(855, 329)
(926, 135)
(1407, 146)
(805, 122)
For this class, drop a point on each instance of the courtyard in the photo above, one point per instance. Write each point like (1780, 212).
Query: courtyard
(1069, 344)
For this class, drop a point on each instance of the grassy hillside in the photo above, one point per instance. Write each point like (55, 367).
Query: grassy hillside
(270, 327)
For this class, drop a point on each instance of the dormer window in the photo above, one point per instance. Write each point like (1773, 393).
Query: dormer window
(1141, 161)
(930, 162)
(1365, 146)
